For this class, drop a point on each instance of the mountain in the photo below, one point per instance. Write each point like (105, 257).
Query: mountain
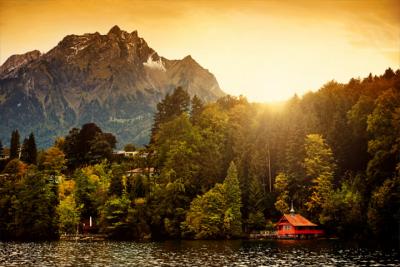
(114, 80)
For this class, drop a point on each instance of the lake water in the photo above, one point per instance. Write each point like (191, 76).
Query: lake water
(199, 253)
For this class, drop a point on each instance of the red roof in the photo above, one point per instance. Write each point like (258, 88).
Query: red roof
(297, 220)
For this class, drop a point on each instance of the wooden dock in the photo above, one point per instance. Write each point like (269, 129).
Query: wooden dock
(263, 235)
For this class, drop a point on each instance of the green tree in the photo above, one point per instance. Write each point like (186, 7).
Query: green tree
(196, 110)
(346, 217)
(113, 218)
(178, 150)
(29, 150)
(139, 228)
(14, 145)
(297, 182)
(281, 188)
(84, 195)
(71, 148)
(52, 161)
(69, 215)
(357, 120)
(137, 186)
(384, 146)
(87, 145)
(216, 213)
(24, 151)
(168, 203)
(233, 216)
(212, 125)
(87, 134)
(169, 108)
(116, 184)
(16, 168)
(320, 166)
(129, 147)
(10, 185)
(100, 149)
(35, 209)
(256, 220)
(383, 211)
(205, 219)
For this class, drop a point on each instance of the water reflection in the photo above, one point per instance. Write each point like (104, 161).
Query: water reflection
(198, 253)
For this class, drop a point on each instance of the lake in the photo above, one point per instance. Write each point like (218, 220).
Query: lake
(199, 253)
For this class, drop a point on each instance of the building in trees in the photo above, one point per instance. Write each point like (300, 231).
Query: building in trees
(4, 152)
(294, 225)
(125, 154)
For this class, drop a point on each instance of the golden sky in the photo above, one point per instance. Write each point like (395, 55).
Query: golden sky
(265, 50)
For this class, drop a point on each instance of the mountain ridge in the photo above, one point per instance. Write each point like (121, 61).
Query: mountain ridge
(114, 80)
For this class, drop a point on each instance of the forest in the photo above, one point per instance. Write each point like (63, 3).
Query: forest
(219, 170)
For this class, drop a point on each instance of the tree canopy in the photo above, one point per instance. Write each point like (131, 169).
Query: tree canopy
(220, 170)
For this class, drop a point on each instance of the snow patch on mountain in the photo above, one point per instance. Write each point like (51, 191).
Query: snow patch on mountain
(154, 64)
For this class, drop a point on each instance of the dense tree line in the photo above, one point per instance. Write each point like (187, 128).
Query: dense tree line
(222, 169)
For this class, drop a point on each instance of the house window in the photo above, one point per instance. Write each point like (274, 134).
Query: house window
(287, 227)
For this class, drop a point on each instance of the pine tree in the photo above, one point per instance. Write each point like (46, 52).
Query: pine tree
(14, 145)
(32, 149)
(281, 187)
(197, 108)
(169, 108)
(232, 216)
(29, 150)
(24, 151)
(256, 218)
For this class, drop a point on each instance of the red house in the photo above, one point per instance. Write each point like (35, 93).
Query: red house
(296, 226)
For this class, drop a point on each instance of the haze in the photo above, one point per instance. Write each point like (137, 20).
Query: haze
(265, 50)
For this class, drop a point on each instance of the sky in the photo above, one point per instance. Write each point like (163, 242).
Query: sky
(265, 50)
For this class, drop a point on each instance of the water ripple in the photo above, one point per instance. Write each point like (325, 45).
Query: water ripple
(197, 253)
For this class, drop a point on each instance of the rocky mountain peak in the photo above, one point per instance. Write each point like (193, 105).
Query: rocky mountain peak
(114, 31)
(188, 61)
(15, 62)
(134, 34)
(113, 79)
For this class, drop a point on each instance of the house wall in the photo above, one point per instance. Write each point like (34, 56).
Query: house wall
(286, 229)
